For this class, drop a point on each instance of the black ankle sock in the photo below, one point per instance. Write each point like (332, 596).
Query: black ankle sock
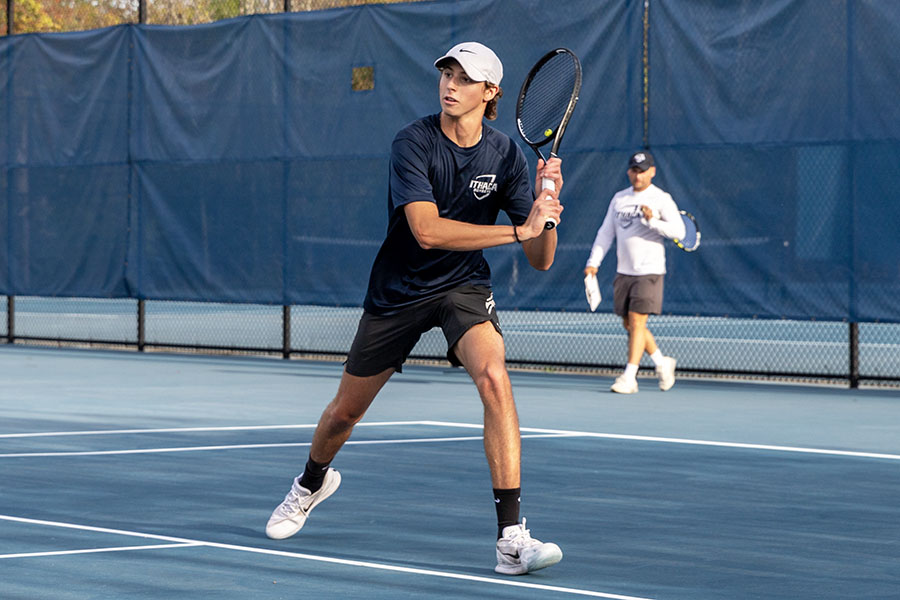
(507, 504)
(313, 475)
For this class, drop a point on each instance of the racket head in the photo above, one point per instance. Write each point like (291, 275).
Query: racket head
(547, 99)
(691, 240)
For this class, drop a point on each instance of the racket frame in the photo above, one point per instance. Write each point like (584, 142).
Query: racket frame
(559, 130)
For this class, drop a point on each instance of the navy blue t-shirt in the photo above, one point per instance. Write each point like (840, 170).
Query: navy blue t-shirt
(467, 184)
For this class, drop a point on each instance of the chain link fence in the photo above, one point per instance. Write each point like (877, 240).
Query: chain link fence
(588, 342)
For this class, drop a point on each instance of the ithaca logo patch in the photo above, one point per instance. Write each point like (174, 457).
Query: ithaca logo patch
(482, 186)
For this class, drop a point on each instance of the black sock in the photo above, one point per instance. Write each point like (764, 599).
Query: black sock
(313, 475)
(507, 504)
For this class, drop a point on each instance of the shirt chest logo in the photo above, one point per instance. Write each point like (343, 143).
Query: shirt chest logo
(627, 216)
(482, 186)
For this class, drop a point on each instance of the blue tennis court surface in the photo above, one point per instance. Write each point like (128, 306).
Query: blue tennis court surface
(152, 476)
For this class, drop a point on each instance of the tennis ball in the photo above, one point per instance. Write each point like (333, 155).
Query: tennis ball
(548, 132)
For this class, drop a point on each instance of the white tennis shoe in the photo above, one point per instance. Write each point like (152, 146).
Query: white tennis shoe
(519, 553)
(290, 516)
(665, 371)
(624, 385)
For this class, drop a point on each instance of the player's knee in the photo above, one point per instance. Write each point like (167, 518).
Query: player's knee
(636, 321)
(492, 380)
(343, 414)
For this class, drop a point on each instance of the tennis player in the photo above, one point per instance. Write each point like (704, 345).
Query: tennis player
(450, 175)
(640, 218)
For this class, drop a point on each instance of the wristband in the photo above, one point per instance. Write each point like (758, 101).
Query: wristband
(516, 235)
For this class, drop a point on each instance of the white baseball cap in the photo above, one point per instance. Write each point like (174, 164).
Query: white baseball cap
(477, 60)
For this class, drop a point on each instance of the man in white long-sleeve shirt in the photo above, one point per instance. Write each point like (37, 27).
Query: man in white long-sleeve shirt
(639, 218)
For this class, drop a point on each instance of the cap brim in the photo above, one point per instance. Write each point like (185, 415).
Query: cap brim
(473, 73)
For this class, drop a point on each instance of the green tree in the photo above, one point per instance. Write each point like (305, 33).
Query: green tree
(30, 16)
(77, 15)
(34, 16)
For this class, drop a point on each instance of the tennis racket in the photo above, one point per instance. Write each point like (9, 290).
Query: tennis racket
(691, 240)
(546, 103)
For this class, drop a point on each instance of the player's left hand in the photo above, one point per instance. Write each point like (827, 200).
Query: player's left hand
(545, 206)
(551, 169)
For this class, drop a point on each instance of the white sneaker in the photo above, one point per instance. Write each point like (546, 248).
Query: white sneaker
(624, 385)
(518, 553)
(290, 516)
(665, 370)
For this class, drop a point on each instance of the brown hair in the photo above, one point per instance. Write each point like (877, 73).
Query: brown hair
(490, 111)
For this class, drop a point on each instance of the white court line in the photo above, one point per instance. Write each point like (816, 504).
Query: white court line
(96, 550)
(667, 440)
(191, 429)
(250, 446)
(682, 338)
(524, 430)
(326, 559)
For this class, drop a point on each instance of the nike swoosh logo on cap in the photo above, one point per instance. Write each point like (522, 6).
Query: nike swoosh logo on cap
(465, 50)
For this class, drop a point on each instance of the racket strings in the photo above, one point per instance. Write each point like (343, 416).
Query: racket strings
(690, 237)
(546, 98)
(691, 233)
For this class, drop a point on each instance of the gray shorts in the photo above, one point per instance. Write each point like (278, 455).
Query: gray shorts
(384, 342)
(642, 294)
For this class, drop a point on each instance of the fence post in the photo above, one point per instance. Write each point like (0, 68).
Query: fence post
(645, 63)
(286, 331)
(287, 5)
(10, 319)
(10, 15)
(854, 355)
(141, 330)
(142, 12)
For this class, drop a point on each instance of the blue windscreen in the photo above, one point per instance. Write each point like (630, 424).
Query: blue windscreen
(242, 161)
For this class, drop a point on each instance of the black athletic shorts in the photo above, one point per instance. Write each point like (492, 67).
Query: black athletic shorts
(383, 342)
(642, 294)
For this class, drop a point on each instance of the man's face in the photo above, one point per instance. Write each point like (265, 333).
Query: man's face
(459, 94)
(640, 180)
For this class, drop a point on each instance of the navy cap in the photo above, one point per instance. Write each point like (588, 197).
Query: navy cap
(641, 161)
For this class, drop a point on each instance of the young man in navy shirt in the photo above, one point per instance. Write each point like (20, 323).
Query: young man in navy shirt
(450, 175)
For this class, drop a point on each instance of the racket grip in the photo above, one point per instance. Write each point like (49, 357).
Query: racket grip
(549, 184)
